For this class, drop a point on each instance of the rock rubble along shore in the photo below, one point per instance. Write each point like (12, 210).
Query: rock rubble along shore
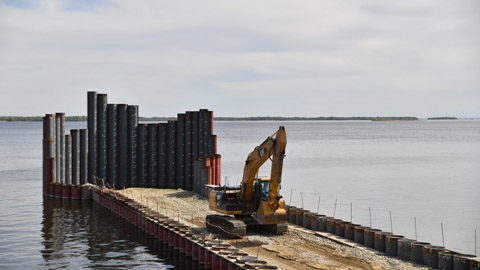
(297, 249)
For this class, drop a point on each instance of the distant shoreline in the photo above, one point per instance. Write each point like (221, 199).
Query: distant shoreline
(256, 118)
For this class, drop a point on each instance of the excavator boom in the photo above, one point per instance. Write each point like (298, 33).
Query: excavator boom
(273, 146)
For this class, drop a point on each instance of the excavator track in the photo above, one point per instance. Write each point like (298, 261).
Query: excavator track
(281, 228)
(226, 225)
(270, 228)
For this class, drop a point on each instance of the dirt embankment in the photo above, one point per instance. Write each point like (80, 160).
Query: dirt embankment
(297, 249)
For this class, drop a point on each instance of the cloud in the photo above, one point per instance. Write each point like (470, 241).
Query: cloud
(243, 58)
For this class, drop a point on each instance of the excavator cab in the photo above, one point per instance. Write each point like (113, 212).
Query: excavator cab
(224, 199)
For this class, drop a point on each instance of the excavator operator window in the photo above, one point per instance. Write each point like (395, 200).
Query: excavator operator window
(265, 186)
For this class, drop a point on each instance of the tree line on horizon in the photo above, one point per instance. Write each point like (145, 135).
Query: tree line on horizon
(253, 118)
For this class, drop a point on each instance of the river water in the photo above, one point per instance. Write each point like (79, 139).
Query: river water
(418, 179)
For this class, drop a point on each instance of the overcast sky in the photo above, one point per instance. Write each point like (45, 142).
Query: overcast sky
(242, 58)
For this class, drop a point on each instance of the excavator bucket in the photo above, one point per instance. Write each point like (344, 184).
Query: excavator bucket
(266, 216)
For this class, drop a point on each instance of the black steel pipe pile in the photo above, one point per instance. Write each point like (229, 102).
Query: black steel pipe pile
(160, 155)
(117, 151)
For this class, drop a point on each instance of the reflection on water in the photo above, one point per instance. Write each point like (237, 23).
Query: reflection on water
(83, 234)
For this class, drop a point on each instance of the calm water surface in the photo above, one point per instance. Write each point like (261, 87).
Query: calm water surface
(428, 171)
(425, 170)
(55, 234)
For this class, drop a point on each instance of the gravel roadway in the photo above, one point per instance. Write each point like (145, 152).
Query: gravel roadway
(297, 249)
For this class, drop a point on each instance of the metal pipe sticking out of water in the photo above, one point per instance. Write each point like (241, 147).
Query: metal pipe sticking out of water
(301, 197)
(291, 191)
(391, 223)
(335, 208)
(443, 237)
(351, 212)
(370, 215)
(318, 204)
(415, 221)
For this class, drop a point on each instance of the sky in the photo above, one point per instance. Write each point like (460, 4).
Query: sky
(242, 58)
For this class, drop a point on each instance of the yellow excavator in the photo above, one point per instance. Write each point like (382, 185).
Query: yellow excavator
(257, 201)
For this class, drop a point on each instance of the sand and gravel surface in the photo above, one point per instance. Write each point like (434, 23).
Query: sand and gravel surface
(297, 249)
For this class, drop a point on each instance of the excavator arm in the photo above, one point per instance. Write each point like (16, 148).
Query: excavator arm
(277, 166)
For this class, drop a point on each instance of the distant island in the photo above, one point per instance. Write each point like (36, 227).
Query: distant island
(254, 118)
(393, 118)
(37, 118)
(278, 118)
(442, 118)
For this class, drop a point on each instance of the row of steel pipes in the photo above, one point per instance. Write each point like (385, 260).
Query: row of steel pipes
(434, 257)
(117, 151)
(190, 241)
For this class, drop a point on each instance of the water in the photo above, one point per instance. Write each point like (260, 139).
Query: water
(426, 170)
(55, 234)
